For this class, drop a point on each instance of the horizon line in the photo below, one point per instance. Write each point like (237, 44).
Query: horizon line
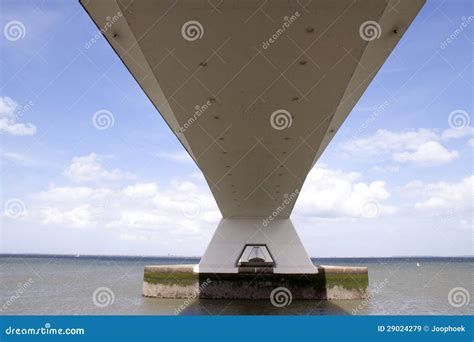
(199, 257)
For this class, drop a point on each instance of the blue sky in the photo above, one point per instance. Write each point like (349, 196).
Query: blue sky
(121, 190)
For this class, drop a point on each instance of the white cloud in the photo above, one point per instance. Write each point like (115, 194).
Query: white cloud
(430, 153)
(384, 141)
(386, 168)
(136, 211)
(457, 133)
(141, 190)
(421, 147)
(89, 168)
(334, 194)
(8, 120)
(72, 195)
(17, 158)
(443, 195)
(26, 160)
(180, 156)
(471, 142)
(198, 176)
(11, 127)
(186, 208)
(83, 216)
(7, 106)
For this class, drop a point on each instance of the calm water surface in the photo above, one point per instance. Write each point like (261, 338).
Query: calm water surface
(59, 285)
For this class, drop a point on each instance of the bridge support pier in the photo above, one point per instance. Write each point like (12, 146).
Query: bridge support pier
(255, 259)
(278, 236)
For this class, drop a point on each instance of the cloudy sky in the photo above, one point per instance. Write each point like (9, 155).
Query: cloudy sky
(396, 180)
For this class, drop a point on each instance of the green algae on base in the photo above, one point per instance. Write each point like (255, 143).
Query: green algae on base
(348, 281)
(169, 278)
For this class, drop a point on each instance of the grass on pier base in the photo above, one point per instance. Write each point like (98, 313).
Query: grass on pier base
(320, 280)
(169, 278)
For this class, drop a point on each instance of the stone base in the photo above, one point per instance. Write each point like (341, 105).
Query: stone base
(180, 281)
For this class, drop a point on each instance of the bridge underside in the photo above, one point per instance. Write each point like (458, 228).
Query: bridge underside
(255, 91)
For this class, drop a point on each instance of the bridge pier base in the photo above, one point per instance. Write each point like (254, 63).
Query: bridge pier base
(255, 259)
(278, 240)
(182, 281)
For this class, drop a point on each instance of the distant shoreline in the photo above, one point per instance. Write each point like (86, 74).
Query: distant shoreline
(467, 258)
